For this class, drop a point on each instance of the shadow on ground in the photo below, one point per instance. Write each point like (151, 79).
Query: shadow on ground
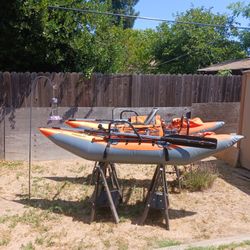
(80, 211)
(127, 185)
(87, 180)
(238, 177)
(232, 175)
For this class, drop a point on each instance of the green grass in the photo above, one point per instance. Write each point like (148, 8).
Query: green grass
(166, 243)
(28, 246)
(231, 246)
(4, 242)
(10, 164)
(45, 240)
(107, 244)
(30, 217)
(153, 243)
(40, 240)
(122, 244)
(38, 169)
(18, 175)
(199, 179)
(82, 246)
(77, 169)
(201, 248)
(5, 239)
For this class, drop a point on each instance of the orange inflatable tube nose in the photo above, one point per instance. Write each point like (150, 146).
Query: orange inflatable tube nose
(73, 124)
(69, 123)
(47, 131)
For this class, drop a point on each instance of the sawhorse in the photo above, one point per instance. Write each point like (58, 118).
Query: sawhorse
(176, 171)
(107, 190)
(156, 199)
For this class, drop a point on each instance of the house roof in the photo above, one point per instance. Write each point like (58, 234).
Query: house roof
(242, 64)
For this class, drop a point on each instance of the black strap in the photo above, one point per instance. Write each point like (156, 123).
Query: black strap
(166, 153)
(105, 153)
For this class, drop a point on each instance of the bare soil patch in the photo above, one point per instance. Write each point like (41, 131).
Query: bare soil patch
(57, 216)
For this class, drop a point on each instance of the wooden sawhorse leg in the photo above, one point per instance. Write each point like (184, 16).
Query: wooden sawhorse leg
(177, 171)
(159, 180)
(101, 171)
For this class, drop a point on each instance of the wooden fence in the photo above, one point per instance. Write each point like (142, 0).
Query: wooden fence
(73, 89)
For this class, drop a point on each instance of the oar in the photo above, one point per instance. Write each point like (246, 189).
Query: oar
(183, 140)
(90, 120)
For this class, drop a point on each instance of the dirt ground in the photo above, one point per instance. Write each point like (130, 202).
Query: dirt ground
(57, 216)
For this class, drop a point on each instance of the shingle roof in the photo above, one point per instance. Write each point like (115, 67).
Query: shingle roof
(242, 64)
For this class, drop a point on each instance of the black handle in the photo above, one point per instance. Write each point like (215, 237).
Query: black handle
(121, 122)
(128, 111)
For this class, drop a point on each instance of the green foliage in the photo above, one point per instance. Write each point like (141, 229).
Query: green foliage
(199, 179)
(184, 48)
(77, 42)
(135, 51)
(167, 243)
(56, 40)
(226, 72)
(241, 8)
(123, 7)
(34, 38)
(17, 35)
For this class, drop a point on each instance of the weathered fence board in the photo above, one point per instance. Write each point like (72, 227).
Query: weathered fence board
(118, 90)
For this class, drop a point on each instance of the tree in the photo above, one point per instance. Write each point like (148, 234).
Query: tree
(184, 48)
(123, 7)
(35, 39)
(19, 43)
(77, 42)
(135, 51)
(240, 8)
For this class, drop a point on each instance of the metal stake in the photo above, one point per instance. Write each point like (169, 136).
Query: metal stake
(33, 85)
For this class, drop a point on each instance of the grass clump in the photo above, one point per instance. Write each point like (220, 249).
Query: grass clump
(122, 244)
(232, 246)
(10, 164)
(28, 246)
(243, 244)
(31, 217)
(155, 243)
(167, 243)
(201, 248)
(4, 238)
(199, 178)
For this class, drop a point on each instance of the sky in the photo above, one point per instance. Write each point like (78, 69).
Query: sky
(167, 8)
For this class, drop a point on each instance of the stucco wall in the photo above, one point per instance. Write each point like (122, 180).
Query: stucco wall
(244, 127)
(16, 127)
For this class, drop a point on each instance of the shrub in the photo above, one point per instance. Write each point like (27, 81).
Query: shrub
(200, 177)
